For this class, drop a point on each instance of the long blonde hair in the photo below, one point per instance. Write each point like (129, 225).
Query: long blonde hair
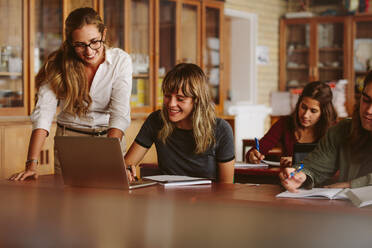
(191, 79)
(64, 70)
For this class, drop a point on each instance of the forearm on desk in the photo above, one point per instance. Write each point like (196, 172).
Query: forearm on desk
(115, 133)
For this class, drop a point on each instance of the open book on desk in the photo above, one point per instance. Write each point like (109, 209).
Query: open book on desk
(173, 180)
(360, 197)
(330, 193)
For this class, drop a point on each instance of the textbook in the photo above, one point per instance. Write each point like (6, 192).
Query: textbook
(240, 165)
(360, 197)
(330, 193)
(173, 180)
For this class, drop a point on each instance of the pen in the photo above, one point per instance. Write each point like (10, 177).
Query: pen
(257, 144)
(297, 170)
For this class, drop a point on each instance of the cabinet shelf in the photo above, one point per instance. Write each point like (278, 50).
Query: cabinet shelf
(300, 50)
(141, 75)
(7, 74)
(297, 68)
(330, 49)
(330, 68)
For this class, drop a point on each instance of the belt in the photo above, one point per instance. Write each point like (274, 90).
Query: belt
(83, 132)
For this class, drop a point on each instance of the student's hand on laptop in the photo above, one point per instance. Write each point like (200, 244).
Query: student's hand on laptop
(131, 173)
(291, 182)
(29, 173)
(285, 161)
(255, 157)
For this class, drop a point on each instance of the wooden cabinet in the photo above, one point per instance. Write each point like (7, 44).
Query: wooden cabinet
(14, 136)
(13, 58)
(313, 49)
(157, 34)
(161, 33)
(361, 52)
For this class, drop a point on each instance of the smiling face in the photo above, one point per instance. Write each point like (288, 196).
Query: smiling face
(309, 112)
(365, 110)
(179, 108)
(88, 35)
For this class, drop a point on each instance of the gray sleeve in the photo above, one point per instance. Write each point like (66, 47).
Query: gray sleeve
(225, 150)
(321, 164)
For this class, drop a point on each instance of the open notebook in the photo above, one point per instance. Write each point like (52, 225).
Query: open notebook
(330, 193)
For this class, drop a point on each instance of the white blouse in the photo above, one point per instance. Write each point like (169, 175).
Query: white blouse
(110, 92)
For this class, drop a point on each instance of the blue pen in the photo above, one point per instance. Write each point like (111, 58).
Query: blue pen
(297, 170)
(257, 144)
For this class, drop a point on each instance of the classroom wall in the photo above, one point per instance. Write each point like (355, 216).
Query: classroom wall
(268, 13)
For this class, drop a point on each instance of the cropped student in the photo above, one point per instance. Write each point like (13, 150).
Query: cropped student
(346, 147)
(189, 139)
(91, 81)
(313, 115)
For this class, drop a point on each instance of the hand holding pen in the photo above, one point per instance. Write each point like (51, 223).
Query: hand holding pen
(291, 178)
(254, 156)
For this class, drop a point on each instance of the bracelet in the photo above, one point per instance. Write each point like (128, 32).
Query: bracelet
(28, 161)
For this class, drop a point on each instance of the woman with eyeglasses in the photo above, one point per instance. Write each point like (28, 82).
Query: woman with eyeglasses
(91, 83)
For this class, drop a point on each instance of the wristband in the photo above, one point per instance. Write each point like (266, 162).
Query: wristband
(28, 161)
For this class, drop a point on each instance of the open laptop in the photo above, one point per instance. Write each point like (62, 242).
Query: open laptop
(94, 162)
(301, 150)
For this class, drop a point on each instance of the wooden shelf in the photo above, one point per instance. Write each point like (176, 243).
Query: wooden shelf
(331, 49)
(300, 50)
(331, 68)
(141, 75)
(8, 74)
(298, 68)
(360, 72)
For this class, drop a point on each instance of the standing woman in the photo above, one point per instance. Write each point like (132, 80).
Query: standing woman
(91, 82)
(313, 115)
(190, 140)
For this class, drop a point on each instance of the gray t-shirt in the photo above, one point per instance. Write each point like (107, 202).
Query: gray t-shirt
(177, 156)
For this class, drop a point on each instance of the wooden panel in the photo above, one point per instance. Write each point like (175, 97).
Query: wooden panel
(130, 135)
(14, 148)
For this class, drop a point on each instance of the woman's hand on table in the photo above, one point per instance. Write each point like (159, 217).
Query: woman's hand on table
(29, 173)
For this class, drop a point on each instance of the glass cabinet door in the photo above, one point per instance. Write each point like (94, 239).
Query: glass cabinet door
(166, 42)
(298, 56)
(190, 26)
(330, 51)
(362, 53)
(140, 52)
(114, 19)
(211, 54)
(47, 30)
(12, 57)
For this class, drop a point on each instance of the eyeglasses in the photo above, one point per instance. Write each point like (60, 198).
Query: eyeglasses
(94, 45)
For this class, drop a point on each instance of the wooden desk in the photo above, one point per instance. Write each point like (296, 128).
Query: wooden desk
(44, 213)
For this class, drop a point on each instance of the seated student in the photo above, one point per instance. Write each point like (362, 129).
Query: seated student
(189, 139)
(346, 147)
(313, 115)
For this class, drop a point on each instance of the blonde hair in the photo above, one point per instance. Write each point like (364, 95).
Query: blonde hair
(64, 70)
(191, 79)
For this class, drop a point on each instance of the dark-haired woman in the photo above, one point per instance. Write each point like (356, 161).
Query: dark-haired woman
(313, 115)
